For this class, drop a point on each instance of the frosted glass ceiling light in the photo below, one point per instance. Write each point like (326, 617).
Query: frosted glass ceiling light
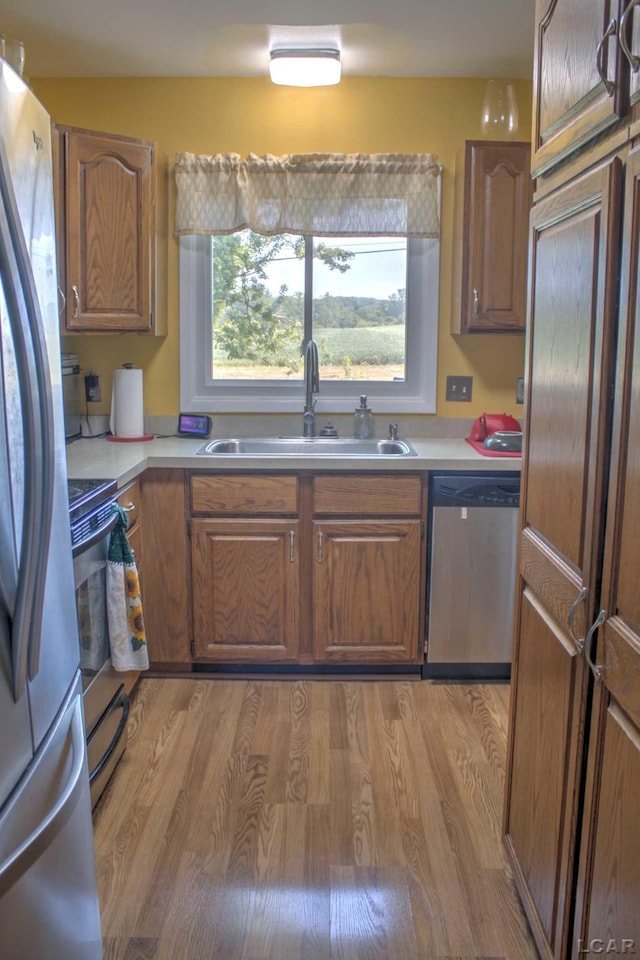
(305, 68)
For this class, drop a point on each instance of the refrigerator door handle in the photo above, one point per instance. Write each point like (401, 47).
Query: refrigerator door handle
(38, 426)
(19, 861)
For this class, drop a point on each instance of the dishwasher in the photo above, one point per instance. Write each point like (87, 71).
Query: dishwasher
(471, 586)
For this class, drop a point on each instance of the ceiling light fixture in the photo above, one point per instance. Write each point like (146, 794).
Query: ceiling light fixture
(305, 68)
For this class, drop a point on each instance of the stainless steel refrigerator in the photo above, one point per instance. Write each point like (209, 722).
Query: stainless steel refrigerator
(48, 896)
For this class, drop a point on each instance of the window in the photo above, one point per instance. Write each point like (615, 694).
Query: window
(344, 250)
(248, 302)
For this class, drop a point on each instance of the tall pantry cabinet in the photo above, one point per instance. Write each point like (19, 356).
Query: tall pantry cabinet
(572, 809)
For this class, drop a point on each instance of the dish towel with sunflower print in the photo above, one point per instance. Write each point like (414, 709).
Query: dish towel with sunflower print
(124, 606)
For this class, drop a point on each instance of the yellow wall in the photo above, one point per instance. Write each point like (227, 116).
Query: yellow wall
(241, 115)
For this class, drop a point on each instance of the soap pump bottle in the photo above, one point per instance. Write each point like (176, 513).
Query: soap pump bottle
(363, 420)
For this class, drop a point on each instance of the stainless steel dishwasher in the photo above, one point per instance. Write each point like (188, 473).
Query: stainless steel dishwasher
(472, 575)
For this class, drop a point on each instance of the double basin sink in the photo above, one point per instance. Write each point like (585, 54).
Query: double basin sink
(307, 447)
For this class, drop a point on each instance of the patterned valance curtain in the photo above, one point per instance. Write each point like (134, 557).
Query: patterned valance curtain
(316, 194)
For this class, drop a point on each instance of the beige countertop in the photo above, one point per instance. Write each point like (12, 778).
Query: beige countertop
(105, 460)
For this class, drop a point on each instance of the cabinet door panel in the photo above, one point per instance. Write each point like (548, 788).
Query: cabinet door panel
(244, 495)
(497, 202)
(608, 890)
(245, 589)
(631, 30)
(373, 495)
(574, 271)
(551, 687)
(366, 590)
(167, 580)
(110, 224)
(571, 337)
(619, 647)
(612, 915)
(571, 101)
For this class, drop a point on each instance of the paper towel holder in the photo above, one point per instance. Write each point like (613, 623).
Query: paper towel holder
(145, 436)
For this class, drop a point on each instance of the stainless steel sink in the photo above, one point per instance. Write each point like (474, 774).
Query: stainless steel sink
(307, 447)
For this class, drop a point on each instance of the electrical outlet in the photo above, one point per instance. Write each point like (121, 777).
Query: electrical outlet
(92, 389)
(459, 388)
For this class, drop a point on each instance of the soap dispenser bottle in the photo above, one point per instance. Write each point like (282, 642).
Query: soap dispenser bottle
(362, 420)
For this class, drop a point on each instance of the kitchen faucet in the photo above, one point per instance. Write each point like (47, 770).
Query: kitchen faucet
(311, 386)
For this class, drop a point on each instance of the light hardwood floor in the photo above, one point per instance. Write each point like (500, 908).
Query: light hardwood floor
(277, 820)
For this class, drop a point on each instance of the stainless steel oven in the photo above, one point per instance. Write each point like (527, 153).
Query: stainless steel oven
(106, 704)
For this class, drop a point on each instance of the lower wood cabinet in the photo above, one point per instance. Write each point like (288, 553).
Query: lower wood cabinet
(301, 569)
(246, 591)
(167, 569)
(366, 590)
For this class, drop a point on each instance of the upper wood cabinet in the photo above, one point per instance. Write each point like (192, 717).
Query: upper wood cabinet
(497, 198)
(580, 76)
(106, 221)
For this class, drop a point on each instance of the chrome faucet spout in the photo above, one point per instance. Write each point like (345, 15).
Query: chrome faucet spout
(311, 386)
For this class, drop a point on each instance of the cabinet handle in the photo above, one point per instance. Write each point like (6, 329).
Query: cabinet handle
(596, 668)
(129, 507)
(292, 537)
(76, 301)
(476, 304)
(63, 301)
(320, 546)
(579, 641)
(609, 85)
(634, 60)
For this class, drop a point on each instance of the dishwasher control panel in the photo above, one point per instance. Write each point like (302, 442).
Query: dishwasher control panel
(465, 490)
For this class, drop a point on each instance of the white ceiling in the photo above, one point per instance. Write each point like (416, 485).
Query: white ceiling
(398, 38)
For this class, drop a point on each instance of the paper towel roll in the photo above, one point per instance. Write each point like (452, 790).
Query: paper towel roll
(127, 404)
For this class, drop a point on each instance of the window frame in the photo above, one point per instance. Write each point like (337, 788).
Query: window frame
(199, 393)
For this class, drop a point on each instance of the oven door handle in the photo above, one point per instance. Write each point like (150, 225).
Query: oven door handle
(96, 535)
(32, 364)
(121, 701)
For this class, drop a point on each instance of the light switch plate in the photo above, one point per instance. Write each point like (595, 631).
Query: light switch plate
(459, 388)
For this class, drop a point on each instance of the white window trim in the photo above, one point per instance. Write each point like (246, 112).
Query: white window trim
(199, 393)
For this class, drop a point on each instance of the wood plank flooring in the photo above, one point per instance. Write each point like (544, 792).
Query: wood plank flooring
(277, 820)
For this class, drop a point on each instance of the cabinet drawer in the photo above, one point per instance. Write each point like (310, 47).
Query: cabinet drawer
(371, 495)
(129, 500)
(274, 495)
